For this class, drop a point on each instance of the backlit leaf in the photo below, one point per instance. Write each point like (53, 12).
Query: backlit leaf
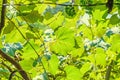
(64, 41)
(53, 64)
(100, 56)
(85, 68)
(72, 73)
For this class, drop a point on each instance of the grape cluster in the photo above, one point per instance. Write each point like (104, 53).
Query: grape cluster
(70, 10)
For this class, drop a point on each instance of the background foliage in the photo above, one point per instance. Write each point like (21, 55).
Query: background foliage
(61, 42)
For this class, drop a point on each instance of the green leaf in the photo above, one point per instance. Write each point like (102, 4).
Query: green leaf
(34, 16)
(13, 36)
(77, 52)
(4, 72)
(95, 14)
(86, 67)
(86, 31)
(1, 44)
(32, 0)
(111, 54)
(29, 51)
(115, 42)
(36, 61)
(8, 28)
(38, 26)
(63, 1)
(45, 62)
(114, 19)
(119, 10)
(72, 73)
(100, 30)
(58, 22)
(100, 56)
(105, 15)
(64, 41)
(30, 35)
(79, 42)
(53, 64)
(52, 0)
(48, 15)
(25, 9)
(70, 11)
(27, 64)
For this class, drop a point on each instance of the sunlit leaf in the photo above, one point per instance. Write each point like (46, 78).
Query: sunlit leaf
(111, 54)
(86, 31)
(27, 64)
(85, 68)
(77, 52)
(60, 39)
(45, 63)
(53, 64)
(100, 56)
(73, 73)
(58, 22)
(64, 41)
(13, 36)
(100, 29)
(115, 42)
(29, 51)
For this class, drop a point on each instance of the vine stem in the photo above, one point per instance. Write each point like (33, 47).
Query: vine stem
(6, 66)
(2, 22)
(12, 74)
(27, 40)
(23, 36)
(16, 64)
(61, 4)
(108, 71)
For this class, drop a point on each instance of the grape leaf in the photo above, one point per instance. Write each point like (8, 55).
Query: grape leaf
(85, 68)
(100, 57)
(53, 64)
(64, 41)
(114, 19)
(72, 73)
